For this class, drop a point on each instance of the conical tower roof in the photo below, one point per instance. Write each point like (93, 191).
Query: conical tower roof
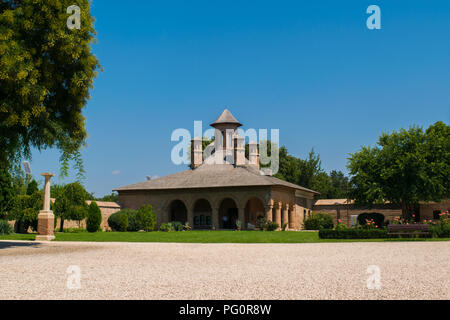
(226, 118)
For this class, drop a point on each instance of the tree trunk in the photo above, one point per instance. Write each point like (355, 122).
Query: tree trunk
(407, 211)
(61, 225)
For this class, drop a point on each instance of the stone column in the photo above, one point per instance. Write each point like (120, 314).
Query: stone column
(277, 217)
(292, 217)
(190, 217)
(269, 215)
(215, 218)
(241, 217)
(46, 218)
(285, 216)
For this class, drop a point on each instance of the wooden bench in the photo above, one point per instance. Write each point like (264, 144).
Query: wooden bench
(408, 229)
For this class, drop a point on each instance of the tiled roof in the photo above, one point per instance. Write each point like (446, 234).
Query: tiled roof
(226, 117)
(213, 176)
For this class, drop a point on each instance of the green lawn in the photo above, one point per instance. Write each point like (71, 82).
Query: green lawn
(202, 237)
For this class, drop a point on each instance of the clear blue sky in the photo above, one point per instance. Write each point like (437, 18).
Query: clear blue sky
(309, 68)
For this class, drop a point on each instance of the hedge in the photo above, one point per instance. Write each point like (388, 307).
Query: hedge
(319, 221)
(353, 234)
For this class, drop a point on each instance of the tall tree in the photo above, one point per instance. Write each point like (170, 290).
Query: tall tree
(6, 189)
(70, 203)
(46, 71)
(405, 167)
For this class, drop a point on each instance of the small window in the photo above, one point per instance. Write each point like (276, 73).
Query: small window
(304, 214)
(436, 214)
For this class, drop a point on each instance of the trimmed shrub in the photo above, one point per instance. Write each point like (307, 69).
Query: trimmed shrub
(378, 218)
(356, 233)
(94, 218)
(5, 228)
(145, 218)
(123, 222)
(114, 220)
(319, 221)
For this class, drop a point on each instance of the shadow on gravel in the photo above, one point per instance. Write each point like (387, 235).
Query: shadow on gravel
(12, 244)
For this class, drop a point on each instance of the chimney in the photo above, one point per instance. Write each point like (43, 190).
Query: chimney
(239, 151)
(196, 152)
(253, 156)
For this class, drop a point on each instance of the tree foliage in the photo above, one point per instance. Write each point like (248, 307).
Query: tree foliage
(94, 218)
(146, 218)
(70, 204)
(113, 197)
(6, 189)
(405, 167)
(46, 71)
(32, 187)
(308, 173)
(25, 210)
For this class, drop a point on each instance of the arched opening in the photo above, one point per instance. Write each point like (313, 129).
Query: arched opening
(228, 214)
(202, 214)
(178, 212)
(254, 209)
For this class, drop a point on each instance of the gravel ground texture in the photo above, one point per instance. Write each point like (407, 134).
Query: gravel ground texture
(155, 271)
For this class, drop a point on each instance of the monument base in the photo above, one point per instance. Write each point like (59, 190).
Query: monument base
(44, 238)
(46, 226)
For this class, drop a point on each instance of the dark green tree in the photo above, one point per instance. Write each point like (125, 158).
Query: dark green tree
(32, 187)
(94, 218)
(70, 204)
(25, 210)
(6, 189)
(113, 197)
(46, 71)
(405, 167)
(146, 218)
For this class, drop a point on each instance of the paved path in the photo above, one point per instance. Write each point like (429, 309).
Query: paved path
(409, 270)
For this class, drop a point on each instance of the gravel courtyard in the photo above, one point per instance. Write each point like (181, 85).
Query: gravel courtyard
(409, 270)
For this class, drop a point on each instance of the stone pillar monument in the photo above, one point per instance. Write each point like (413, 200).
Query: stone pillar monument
(46, 219)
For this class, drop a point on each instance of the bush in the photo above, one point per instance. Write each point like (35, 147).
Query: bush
(271, 226)
(165, 227)
(5, 228)
(176, 226)
(319, 221)
(264, 225)
(114, 220)
(261, 223)
(356, 233)
(378, 218)
(123, 223)
(146, 218)
(94, 217)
